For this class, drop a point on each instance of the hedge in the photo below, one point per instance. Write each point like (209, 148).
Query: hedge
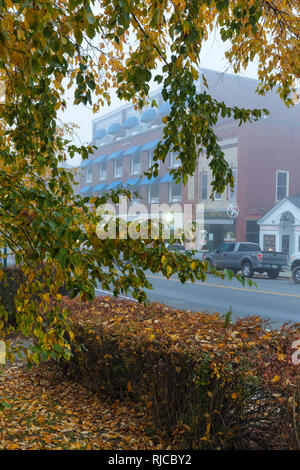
(202, 376)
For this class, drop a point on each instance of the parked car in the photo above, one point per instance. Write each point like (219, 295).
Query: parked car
(196, 254)
(175, 247)
(248, 258)
(295, 267)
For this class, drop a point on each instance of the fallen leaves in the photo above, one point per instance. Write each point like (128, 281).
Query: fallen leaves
(46, 411)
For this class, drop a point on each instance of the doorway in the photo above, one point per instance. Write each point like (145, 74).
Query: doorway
(285, 244)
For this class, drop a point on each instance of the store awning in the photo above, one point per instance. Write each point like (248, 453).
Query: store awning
(150, 145)
(167, 178)
(114, 185)
(164, 110)
(99, 187)
(86, 163)
(131, 122)
(132, 182)
(100, 133)
(116, 154)
(85, 189)
(100, 159)
(149, 115)
(114, 128)
(152, 180)
(132, 150)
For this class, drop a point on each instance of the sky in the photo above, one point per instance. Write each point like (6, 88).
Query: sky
(212, 57)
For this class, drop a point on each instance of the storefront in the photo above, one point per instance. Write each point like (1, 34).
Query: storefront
(279, 229)
(217, 227)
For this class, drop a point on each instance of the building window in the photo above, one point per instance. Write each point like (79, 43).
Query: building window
(135, 164)
(88, 174)
(269, 243)
(175, 192)
(282, 184)
(299, 243)
(252, 231)
(217, 196)
(174, 161)
(233, 192)
(118, 168)
(203, 186)
(285, 244)
(153, 193)
(102, 171)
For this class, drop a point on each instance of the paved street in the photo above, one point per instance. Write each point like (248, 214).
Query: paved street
(278, 300)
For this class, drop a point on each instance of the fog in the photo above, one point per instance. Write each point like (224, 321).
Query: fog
(212, 57)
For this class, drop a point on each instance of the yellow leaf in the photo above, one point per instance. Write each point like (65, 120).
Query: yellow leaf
(194, 265)
(129, 386)
(169, 270)
(234, 395)
(174, 337)
(281, 357)
(275, 378)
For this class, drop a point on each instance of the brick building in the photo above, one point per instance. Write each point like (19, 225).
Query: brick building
(264, 157)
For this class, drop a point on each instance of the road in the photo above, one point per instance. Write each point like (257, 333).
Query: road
(277, 300)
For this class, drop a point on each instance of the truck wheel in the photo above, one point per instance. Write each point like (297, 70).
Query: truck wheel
(273, 273)
(296, 274)
(247, 269)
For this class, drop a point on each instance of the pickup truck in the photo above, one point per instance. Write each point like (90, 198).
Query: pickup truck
(248, 258)
(295, 267)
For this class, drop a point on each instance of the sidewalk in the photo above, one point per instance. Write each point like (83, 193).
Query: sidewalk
(285, 274)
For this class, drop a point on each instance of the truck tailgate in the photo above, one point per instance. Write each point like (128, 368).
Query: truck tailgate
(274, 258)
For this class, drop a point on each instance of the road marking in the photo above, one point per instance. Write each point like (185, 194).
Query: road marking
(210, 284)
(118, 296)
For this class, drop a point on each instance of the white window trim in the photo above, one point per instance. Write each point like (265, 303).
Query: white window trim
(89, 174)
(132, 172)
(101, 177)
(176, 163)
(115, 168)
(200, 186)
(152, 200)
(287, 183)
(174, 198)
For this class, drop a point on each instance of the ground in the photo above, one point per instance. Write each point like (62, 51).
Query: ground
(47, 411)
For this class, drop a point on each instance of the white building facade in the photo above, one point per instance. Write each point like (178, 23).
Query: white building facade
(279, 229)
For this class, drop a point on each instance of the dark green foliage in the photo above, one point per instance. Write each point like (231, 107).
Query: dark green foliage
(9, 286)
